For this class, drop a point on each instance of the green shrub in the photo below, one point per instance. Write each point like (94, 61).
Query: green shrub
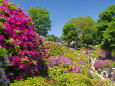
(36, 81)
(53, 49)
(52, 38)
(66, 79)
(97, 52)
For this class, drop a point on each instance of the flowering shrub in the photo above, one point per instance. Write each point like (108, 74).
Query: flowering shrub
(66, 79)
(101, 64)
(75, 55)
(80, 79)
(97, 52)
(53, 48)
(61, 74)
(25, 47)
(58, 65)
(36, 81)
(3, 62)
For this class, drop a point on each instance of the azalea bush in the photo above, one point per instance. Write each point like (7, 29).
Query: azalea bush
(80, 79)
(69, 53)
(58, 65)
(101, 64)
(97, 51)
(56, 49)
(77, 55)
(25, 47)
(53, 48)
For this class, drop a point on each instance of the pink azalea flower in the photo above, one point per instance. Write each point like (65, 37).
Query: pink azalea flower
(36, 69)
(19, 77)
(31, 38)
(25, 44)
(73, 71)
(27, 51)
(14, 42)
(33, 52)
(19, 42)
(22, 66)
(4, 46)
(16, 59)
(13, 63)
(38, 37)
(36, 44)
(1, 37)
(20, 9)
(30, 62)
(25, 57)
(18, 49)
(31, 44)
(22, 53)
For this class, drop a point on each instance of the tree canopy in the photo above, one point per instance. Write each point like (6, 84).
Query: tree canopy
(106, 30)
(85, 24)
(84, 27)
(40, 17)
(69, 32)
(52, 38)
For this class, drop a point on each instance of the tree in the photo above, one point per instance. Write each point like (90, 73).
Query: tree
(106, 30)
(85, 26)
(69, 32)
(40, 17)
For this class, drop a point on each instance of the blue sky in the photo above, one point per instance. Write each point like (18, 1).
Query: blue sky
(63, 10)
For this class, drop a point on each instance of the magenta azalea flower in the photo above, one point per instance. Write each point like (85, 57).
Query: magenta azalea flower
(19, 77)
(63, 61)
(1, 37)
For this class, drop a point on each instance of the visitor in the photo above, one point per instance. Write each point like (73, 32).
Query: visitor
(99, 71)
(89, 55)
(89, 59)
(109, 74)
(104, 73)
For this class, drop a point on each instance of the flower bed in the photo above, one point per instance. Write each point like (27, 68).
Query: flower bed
(101, 64)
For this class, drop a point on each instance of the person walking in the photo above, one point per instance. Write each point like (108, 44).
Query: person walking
(99, 71)
(89, 55)
(104, 73)
(109, 74)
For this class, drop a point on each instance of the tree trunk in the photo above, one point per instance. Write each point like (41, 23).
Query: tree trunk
(68, 44)
(76, 45)
(108, 53)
